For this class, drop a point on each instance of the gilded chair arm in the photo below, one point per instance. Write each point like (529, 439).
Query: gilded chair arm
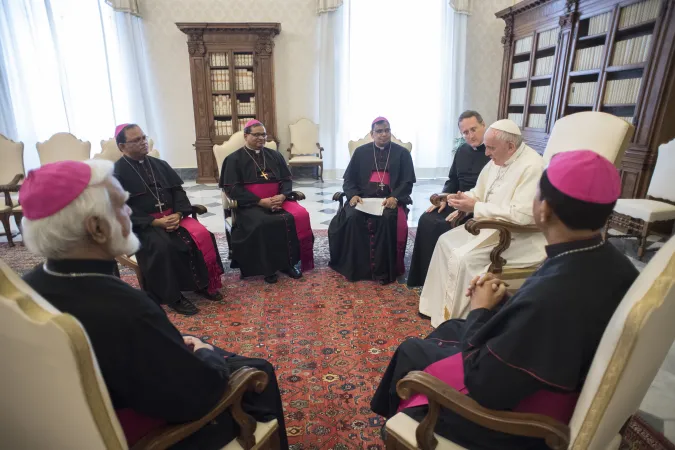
(556, 434)
(12, 186)
(320, 150)
(228, 203)
(505, 229)
(198, 210)
(340, 197)
(243, 380)
(296, 196)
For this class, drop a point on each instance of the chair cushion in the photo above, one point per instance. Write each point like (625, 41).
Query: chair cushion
(263, 431)
(647, 210)
(5, 208)
(305, 159)
(18, 208)
(403, 427)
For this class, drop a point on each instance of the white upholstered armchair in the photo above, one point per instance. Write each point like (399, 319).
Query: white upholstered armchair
(111, 152)
(63, 147)
(305, 149)
(12, 173)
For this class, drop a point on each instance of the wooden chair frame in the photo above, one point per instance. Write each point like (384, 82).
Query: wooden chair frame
(318, 164)
(7, 189)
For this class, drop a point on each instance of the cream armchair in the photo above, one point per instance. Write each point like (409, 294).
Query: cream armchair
(631, 351)
(12, 172)
(352, 146)
(600, 132)
(111, 152)
(654, 215)
(47, 358)
(305, 149)
(63, 147)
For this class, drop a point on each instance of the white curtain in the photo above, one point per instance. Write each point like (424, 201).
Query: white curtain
(70, 65)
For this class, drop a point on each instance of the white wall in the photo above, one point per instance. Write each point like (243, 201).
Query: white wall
(171, 121)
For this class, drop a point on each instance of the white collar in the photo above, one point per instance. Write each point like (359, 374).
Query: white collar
(515, 155)
(251, 149)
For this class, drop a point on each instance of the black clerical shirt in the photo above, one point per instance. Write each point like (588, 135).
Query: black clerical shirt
(465, 169)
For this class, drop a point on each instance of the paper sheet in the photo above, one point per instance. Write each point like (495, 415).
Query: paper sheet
(371, 206)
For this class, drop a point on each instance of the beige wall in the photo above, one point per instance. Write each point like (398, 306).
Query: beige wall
(484, 54)
(171, 119)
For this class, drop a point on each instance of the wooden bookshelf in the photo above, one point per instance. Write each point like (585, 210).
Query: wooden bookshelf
(615, 56)
(232, 72)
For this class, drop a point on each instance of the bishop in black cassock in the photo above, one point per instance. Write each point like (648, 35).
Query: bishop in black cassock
(174, 257)
(364, 246)
(529, 352)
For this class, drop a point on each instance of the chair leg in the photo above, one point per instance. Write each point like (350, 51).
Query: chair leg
(321, 176)
(17, 218)
(643, 241)
(8, 230)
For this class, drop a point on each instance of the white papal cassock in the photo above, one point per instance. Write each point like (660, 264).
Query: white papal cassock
(504, 193)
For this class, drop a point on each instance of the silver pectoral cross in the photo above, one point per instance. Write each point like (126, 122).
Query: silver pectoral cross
(381, 185)
(159, 205)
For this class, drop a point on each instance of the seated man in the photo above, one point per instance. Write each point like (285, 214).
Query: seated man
(75, 216)
(529, 352)
(177, 252)
(365, 246)
(271, 232)
(469, 160)
(505, 190)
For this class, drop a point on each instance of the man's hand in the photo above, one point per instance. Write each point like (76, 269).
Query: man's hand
(462, 202)
(173, 222)
(390, 203)
(487, 293)
(441, 206)
(277, 201)
(481, 280)
(452, 216)
(265, 203)
(355, 199)
(196, 343)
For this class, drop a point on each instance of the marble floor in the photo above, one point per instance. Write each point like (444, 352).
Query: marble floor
(658, 406)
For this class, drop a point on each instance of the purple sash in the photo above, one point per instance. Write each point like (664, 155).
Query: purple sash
(401, 224)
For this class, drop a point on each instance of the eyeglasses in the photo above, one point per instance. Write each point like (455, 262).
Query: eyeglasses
(382, 131)
(138, 140)
(259, 135)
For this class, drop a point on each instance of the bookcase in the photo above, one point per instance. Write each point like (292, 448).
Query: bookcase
(567, 56)
(232, 75)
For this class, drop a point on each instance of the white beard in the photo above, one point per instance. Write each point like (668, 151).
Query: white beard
(120, 245)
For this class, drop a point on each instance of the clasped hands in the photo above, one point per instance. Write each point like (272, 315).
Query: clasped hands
(272, 203)
(460, 201)
(169, 223)
(486, 291)
(389, 202)
(196, 344)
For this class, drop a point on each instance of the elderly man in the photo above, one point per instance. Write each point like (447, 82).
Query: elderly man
(177, 252)
(365, 246)
(505, 189)
(75, 216)
(470, 159)
(530, 352)
(272, 232)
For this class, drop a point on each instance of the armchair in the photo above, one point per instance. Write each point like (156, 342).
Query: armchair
(48, 356)
(630, 354)
(11, 174)
(305, 146)
(352, 146)
(63, 147)
(111, 152)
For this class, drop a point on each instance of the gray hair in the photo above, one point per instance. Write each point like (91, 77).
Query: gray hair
(515, 139)
(57, 235)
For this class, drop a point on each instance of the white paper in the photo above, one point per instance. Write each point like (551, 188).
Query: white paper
(371, 206)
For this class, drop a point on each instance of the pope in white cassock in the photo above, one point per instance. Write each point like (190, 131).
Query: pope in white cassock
(505, 190)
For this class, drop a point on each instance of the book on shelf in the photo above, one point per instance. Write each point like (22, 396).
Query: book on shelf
(582, 93)
(628, 119)
(218, 59)
(599, 24)
(622, 92)
(246, 107)
(631, 51)
(536, 121)
(540, 95)
(517, 118)
(543, 66)
(521, 70)
(244, 80)
(222, 106)
(223, 127)
(243, 59)
(523, 45)
(220, 80)
(588, 58)
(638, 13)
(548, 38)
(517, 96)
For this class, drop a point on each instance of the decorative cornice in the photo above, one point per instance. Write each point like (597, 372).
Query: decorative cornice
(196, 43)
(235, 28)
(508, 30)
(520, 8)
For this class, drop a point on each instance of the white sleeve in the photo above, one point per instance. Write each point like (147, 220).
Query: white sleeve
(478, 191)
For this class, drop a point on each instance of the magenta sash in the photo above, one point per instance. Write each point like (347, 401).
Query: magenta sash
(136, 425)
(303, 227)
(401, 224)
(202, 238)
(559, 406)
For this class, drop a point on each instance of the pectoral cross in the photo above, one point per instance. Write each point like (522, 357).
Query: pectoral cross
(381, 185)
(159, 205)
(264, 174)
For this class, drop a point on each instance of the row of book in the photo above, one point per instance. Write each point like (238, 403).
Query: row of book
(222, 106)
(220, 80)
(517, 96)
(628, 119)
(599, 24)
(223, 127)
(246, 107)
(631, 51)
(242, 122)
(638, 13)
(536, 121)
(582, 93)
(521, 69)
(244, 79)
(540, 95)
(589, 58)
(517, 118)
(548, 38)
(218, 59)
(622, 92)
(245, 59)
(523, 45)
(543, 66)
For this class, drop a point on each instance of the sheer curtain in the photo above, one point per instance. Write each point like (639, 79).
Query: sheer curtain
(70, 65)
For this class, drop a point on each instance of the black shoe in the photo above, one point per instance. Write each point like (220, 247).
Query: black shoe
(271, 279)
(384, 282)
(422, 316)
(215, 297)
(293, 272)
(184, 306)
